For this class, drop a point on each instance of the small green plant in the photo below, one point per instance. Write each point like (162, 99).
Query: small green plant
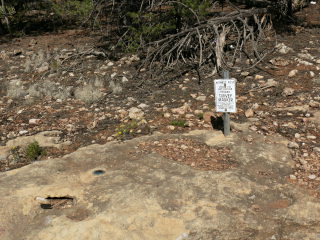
(33, 151)
(200, 116)
(126, 129)
(179, 123)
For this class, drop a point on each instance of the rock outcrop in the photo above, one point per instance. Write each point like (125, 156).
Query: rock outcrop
(115, 191)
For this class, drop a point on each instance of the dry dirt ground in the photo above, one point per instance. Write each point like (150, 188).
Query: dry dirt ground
(61, 82)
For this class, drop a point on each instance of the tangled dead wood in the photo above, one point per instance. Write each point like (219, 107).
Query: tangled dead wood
(228, 35)
(222, 41)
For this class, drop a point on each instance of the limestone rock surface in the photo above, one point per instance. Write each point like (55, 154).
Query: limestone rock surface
(114, 191)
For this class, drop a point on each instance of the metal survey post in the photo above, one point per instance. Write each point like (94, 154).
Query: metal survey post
(225, 98)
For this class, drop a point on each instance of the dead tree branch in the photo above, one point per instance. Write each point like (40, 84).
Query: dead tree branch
(220, 40)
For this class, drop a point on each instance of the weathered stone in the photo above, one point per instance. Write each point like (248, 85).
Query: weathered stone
(312, 74)
(244, 74)
(143, 106)
(311, 137)
(152, 197)
(279, 61)
(201, 98)
(207, 116)
(258, 77)
(43, 68)
(282, 48)
(312, 176)
(293, 177)
(182, 110)
(303, 62)
(292, 73)
(288, 92)
(249, 113)
(45, 139)
(293, 145)
(136, 113)
(271, 83)
(34, 121)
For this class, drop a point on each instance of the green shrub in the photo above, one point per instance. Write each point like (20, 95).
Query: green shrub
(73, 10)
(146, 26)
(33, 151)
(179, 123)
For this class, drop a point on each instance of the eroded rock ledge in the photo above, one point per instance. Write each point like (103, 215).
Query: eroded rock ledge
(115, 191)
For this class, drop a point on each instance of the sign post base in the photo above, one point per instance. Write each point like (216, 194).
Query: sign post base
(226, 124)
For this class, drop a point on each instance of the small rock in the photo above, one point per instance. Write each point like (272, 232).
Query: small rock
(124, 79)
(312, 176)
(258, 77)
(184, 89)
(110, 138)
(22, 132)
(122, 113)
(316, 149)
(207, 116)
(297, 135)
(249, 113)
(292, 73)
(271, 83)
(113, 75)
(167, 115)
(201, 98)
(255, 106)
(314, 104)
(291, 125)
(136, 113)
(182, 110)
(311, 137)
(279, 61)
(312, 74)
(171, 127)
(189, 115)
(293, 177)
(34, 121)
(143, 106)
(282, 48)
(287, 92)
(11, 135)
(43, 68)
(303, 62)
(316, 80)
(244, 74)
(184, 146)
(293, 145)
(253, 128)
(110, 64)
(198, 112)
(306, 55)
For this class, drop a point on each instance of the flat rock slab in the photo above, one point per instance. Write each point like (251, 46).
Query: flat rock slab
(114, 191)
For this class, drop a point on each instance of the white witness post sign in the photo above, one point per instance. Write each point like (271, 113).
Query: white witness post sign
(225, 95)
